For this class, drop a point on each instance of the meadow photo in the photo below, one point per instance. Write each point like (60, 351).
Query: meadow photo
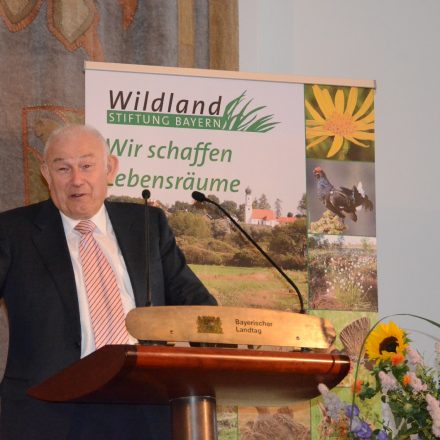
(230, 267)
(343, 273)
(234, 271)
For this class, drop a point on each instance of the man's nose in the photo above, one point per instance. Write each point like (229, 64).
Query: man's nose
(77, 177)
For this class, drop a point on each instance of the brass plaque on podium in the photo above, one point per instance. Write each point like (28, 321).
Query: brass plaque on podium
(229, 325)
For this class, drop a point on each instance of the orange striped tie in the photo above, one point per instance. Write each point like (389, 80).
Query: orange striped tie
(106, 312)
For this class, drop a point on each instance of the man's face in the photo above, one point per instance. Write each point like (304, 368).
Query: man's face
(77, 173)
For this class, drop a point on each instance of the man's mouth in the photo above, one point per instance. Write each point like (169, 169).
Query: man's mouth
(77, 195)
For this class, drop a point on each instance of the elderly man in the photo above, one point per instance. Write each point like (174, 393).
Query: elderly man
(70, 270)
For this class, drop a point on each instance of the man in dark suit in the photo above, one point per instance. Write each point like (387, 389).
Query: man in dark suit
(42, 283)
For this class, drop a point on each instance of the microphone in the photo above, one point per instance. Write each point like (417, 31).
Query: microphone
(200, 197)
(146, 195)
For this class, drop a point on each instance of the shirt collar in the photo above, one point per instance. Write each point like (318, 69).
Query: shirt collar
(100, 220)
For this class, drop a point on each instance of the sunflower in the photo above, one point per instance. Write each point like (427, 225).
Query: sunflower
(338, 119)
(385, 341)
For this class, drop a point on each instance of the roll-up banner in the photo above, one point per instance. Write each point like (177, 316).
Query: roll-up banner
(291, 158)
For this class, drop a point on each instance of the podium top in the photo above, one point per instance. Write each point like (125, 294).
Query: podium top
(158, 374)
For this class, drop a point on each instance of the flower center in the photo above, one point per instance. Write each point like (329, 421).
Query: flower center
(389, 344)
(340, 124)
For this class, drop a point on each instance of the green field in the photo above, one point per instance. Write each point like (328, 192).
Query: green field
(252, 287)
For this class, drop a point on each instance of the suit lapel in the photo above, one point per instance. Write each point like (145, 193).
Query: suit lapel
(129, 231)
(50, 240)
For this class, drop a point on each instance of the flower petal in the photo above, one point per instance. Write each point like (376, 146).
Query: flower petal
(369, 118)
(339, 101)
(336, 146)
(360, 126)
(328, 102)
(313, 112)
(313, 123)
(365, 105)
(352, 101)
(313, 132)
(326, 107)
(317, 141)
(364, 136)
(359, 144)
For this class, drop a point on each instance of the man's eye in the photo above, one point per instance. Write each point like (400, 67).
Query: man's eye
(63, 169)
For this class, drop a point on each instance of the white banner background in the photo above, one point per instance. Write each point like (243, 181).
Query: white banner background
(271, 163)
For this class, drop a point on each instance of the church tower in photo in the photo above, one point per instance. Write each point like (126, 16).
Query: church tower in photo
(248, 206)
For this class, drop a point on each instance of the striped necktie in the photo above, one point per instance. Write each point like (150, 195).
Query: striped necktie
(106, 312)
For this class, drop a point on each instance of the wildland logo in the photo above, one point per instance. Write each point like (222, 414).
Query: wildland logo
(165, 110)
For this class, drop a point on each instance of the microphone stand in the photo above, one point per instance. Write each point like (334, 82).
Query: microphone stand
(149, 303)
(200, 197)
(146, 195)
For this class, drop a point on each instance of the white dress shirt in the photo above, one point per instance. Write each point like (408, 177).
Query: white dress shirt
(105, 236)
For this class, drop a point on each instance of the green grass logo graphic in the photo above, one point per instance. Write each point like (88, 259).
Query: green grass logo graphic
(239, 117)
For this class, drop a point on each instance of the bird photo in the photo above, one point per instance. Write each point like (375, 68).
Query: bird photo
(341, 199)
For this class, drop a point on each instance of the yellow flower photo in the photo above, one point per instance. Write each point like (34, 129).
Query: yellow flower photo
(338, 121)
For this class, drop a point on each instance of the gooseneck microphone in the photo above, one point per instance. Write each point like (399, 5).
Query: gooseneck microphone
(200, 197)
(146, 195)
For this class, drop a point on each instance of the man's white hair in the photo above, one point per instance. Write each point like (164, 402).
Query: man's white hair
(72, 130)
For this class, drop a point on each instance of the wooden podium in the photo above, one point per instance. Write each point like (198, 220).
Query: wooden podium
(193, 380)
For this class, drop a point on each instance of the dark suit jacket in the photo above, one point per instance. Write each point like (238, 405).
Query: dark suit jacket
(38, 285)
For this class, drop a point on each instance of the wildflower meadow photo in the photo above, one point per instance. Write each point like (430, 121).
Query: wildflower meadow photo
(343, 273)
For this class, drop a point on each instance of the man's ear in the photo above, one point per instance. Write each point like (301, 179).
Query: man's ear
(112, 168)
(45, 172)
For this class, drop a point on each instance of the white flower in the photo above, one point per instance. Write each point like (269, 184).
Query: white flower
(437, 357)
(434, 410)
(388, 381)
(332, 403)
(322, 388)
(414, 357)
(416, 384)
(355, 424)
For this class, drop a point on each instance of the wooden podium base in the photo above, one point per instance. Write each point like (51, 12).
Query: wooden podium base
(193, 380)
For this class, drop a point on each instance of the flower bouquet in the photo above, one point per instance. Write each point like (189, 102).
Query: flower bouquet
(407, 388)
